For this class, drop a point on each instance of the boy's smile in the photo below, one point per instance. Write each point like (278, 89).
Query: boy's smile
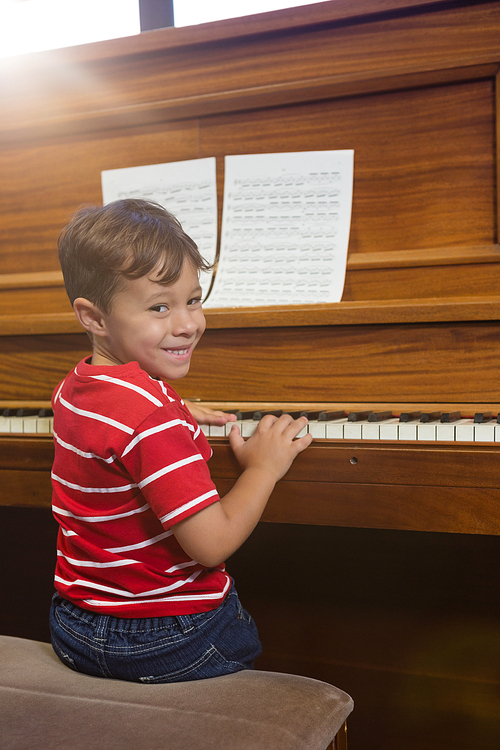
(153, 324)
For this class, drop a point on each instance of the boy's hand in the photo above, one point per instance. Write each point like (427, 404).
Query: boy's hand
(206, 415)
(273, 446)
(214, 533)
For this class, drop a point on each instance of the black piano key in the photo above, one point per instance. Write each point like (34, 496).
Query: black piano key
(274, 412)
(331, 416)
(303, 413)
(409, 416)
(450, 416)
(44, 413)
(26, 412)
(358, 416)
(482, 417)
(242, 415)
(432, 416)
(379, 416)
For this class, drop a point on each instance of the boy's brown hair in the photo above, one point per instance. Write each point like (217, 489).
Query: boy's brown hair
(127, 239)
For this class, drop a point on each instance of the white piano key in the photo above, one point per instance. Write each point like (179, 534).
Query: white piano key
(497, 433)
(389, 430)
(248, 427)
(370, 430)
(217, 430)
(426, 431)
(17, 424)
(446, 431)
(352, 430)
(335, 429)
(229, 426)
(44, 426)
(4, 424)
(30, 425)
(317, 429)
(408, 430)
(205, 428)
(464, 431)
(485, 432)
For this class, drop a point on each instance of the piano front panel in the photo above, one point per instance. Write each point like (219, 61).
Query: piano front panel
(399, 363)
(403, 363)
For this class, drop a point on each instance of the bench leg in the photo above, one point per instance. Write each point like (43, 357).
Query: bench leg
(340, 740)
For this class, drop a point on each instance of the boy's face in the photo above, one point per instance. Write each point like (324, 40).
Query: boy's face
(153, 324)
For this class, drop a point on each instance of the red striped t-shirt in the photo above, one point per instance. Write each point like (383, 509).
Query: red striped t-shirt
(130, 462)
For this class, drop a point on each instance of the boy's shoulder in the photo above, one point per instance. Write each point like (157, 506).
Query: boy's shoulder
(121, 389)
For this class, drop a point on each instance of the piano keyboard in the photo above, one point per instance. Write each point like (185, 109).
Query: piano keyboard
(381, 426)
(384, 426)
(26, 421)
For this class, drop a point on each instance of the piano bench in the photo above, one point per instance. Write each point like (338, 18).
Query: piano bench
(45, 705)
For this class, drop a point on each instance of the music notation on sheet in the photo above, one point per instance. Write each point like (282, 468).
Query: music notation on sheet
(285, 226)
(285, 229)
(186, 188)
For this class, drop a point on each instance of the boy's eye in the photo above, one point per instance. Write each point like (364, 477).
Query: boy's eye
(194, 301)
(159, 308)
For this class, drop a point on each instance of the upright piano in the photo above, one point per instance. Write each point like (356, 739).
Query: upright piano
(412, 87)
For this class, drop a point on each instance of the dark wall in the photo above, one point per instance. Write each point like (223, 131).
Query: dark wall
(407, 622)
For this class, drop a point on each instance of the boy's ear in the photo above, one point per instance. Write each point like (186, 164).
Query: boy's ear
(89, 316)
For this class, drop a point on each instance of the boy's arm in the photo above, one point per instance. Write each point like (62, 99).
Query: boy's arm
(214, 533)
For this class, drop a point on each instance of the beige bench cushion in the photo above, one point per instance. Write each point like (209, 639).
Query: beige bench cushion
(43, 704)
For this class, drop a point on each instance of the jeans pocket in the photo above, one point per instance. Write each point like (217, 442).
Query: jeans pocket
(64, 656)
(210, 664)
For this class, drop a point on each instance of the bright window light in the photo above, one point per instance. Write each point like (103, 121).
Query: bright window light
(190, 12)
(34, 25)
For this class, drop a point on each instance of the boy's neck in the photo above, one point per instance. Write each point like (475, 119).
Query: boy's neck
(101, 360)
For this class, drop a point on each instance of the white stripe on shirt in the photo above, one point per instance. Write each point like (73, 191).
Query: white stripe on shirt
(99, 490)
(177, 598)
(154, 431)
(187, 506)
(83, 454)
(164, 390)
(98, 519)
(97, 417)
(56, 395)
(171, 467)
(140, 545)
(109, 589)
(92, 564)
(181, 566)
(130, 386)
(65, 532)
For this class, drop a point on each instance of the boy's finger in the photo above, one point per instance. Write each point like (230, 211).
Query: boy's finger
(297, 425)
(235, 439)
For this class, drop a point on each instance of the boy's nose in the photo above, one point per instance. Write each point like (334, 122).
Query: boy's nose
(185, 325)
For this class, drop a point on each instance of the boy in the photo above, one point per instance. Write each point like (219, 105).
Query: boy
(142, 591)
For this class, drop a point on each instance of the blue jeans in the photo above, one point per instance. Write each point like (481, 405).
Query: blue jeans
(157, 649)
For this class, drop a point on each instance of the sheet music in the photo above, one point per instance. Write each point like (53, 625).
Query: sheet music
(185, 188)
(285, 229)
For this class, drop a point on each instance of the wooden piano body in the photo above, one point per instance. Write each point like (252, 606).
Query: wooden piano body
(378, 567)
